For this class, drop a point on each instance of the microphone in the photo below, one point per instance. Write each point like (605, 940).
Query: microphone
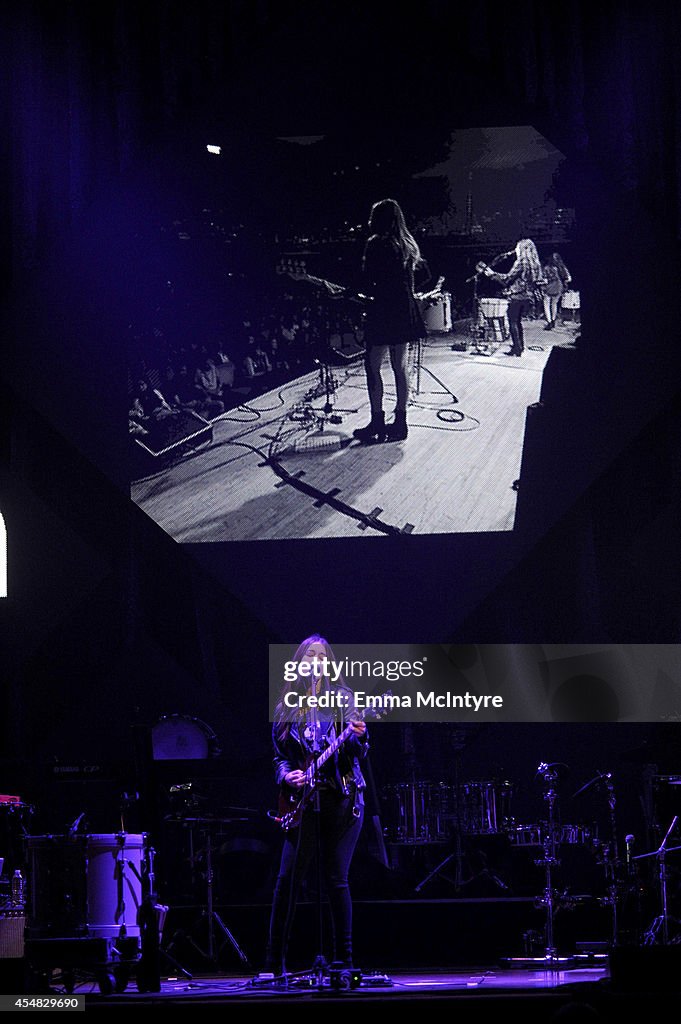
(629, 840)
(502, 256)
(492, 263)
(75, 826)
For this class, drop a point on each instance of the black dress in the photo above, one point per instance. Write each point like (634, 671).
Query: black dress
(393, 317)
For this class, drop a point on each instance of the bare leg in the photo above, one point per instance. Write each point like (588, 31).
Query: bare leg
(372, 361)
(375, 430)
(399, 359)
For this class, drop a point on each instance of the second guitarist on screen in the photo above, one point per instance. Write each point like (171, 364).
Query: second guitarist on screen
(340, 792)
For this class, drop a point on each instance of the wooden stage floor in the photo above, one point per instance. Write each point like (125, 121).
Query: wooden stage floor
(454, 473)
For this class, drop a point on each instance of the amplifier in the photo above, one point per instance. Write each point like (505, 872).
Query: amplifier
(11, 934)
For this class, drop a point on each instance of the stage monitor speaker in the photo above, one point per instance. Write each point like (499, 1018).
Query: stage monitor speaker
(645, 968)
(176, 434)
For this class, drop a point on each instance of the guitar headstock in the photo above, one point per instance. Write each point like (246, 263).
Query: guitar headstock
(377, 710)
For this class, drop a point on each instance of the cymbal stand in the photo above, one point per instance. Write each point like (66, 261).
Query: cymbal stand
(610, 859)
(549, 861)
(212, 917)
(156, 912)
(661, 922)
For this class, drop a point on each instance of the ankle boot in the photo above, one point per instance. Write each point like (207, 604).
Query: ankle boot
(397, 430)
(374, 431)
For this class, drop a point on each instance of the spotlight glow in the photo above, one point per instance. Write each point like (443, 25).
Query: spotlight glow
(216, 150)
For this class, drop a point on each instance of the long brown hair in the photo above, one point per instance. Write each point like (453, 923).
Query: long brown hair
(387, 221)
(283, 715)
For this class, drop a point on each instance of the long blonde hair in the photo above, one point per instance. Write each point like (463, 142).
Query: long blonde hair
(526, 254)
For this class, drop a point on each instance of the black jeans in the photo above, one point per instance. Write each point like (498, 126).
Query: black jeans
(517, 309)
(339, 830)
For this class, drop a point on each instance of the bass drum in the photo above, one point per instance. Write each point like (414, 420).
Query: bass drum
(181, 737)
(437, 313)
(493, 309)
(570, 300)
(114, 884)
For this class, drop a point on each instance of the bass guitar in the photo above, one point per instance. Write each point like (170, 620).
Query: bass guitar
(293, 802)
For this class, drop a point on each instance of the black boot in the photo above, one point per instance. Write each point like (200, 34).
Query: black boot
(374, 431)
(397, 430)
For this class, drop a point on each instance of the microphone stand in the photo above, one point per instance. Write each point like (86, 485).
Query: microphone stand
(662, 920)
(480, 346)
(320, 964)
(610, 859)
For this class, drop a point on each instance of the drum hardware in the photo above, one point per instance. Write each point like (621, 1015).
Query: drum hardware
(486, 806)
(565, 835)
(610, 857)
(570, 300)
(419, 366)
(493, 322)
(416, 812)
(550, 900)
(435, 308)
(152, 918)
(660, 926)
(209, 913)
(92, 889)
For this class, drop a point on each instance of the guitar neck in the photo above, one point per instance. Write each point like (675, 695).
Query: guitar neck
(332, 748)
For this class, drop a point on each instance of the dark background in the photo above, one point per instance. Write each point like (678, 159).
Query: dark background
(109, 624)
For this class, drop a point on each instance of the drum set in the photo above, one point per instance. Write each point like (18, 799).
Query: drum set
(431, 812)
(90, 905)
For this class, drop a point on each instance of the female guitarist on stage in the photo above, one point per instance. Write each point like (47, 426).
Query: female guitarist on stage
(298, 739)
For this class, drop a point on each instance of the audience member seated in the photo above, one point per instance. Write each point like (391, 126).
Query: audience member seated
(256, 363)
(187, 395)
(207, 383)
(224, 366)
(148, 404)
(277, 355)
(136, 429)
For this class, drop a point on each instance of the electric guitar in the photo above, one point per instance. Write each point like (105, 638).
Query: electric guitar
(292, 802)
(336, 291)
(431, 297)
(339, 291)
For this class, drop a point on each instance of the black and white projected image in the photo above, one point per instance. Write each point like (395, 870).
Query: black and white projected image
(345, 336)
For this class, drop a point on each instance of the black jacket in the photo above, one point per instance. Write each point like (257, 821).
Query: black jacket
(291, 752)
